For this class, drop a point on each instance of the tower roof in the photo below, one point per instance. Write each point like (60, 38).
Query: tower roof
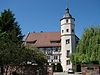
(67, 14)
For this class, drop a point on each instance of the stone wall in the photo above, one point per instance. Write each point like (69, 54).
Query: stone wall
(26, 70)
(50, 70)
(90, 69)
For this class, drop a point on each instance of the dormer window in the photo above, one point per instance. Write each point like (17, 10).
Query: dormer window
(31, 42)
(56, 41)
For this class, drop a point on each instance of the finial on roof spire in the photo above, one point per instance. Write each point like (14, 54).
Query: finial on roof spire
(67, 8)
(67, 4)
(67, 14)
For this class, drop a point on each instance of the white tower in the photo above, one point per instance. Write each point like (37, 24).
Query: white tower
(67, 39)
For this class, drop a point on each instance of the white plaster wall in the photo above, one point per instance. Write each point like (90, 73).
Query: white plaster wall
(65, 26)
(64, 47)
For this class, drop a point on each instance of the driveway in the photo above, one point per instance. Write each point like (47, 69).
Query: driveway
(64, 73)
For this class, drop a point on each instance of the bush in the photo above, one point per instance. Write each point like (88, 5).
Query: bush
(57, 68)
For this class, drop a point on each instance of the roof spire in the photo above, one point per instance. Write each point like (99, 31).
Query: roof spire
(67, 4)
(67, 14)
(67, 8)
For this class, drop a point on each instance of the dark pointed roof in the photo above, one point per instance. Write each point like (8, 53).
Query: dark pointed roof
(67, 14)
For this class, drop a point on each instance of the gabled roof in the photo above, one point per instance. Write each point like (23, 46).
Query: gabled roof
(44, 39)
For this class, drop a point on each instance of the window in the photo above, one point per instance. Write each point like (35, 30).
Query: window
(56, 49)
(67, 21)
(48, 57)
(49, 51)
(55, 57)
(68, 53)
(73, 30)
(67, 30)
(67, 41)
(67, 62)
(62, 31)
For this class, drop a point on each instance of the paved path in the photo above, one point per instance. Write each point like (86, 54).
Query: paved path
(64, 73)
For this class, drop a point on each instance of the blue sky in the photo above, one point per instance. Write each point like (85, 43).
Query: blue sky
(45, 15)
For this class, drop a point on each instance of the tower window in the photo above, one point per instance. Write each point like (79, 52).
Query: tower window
(68, 53)
(62, 31)
(67, 41)
(67, 30)
(66, 21)
(67, 62)
(73, 30)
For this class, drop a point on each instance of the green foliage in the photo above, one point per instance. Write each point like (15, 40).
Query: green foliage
(11, 49)
(88, 48)
(37, 56)
(12, 52)
(10, 39)
(10, 26)
(57, 68)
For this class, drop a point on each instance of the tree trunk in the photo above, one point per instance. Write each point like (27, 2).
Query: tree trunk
(2, 69)
(6, 70)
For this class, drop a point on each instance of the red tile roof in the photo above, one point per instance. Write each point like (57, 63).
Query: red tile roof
(44, 39)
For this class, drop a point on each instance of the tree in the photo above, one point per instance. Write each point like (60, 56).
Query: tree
(11, 49)
(88, 48)
(57, 68)
(10, 26)
(37, 56)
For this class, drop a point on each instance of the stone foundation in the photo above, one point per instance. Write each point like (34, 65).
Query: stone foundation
(90, 69)
(25, 70)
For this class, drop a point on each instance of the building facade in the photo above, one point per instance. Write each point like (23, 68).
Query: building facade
(58, 46)
(48, 42)
(67, 39)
